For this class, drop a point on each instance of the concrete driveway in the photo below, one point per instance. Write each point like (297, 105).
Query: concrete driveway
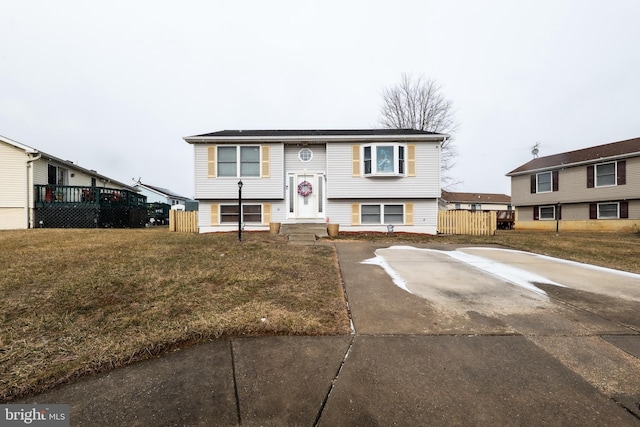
(539, 313)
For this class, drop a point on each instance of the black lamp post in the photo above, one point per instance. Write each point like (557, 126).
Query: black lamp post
(240, 210)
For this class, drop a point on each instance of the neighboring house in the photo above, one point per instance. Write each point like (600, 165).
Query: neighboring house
(41, 190)
(363, 180)
(596, 188)
(160, 195)
(475, 201)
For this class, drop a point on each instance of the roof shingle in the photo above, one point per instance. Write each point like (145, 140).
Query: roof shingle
(621, 148)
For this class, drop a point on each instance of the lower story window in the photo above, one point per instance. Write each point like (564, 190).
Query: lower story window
(382, 214)
(547, 212)
(250, 213)
(608, 210)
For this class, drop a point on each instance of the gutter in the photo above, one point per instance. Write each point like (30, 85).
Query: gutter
(29, 189)
(314, 138)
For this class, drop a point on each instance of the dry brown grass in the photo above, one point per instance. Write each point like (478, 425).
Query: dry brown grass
(81, 301)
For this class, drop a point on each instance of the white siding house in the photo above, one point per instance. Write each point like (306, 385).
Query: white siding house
(363, 180)
(160, 195)
(27, 175)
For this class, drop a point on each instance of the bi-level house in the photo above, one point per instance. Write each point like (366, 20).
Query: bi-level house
(596, 188)
(38, 189)
(362, 180)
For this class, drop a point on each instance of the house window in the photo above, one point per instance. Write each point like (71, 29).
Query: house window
(245, 159)
(250, 213)
(384, 159)
(382, 214)
(608, 210)
(547, 212)
(606, 174)
(476, 206)
(457, 205)
(544, 182)
(56, 175)
(305, 155)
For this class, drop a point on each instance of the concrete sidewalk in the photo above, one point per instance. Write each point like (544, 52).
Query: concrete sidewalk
(409, 363)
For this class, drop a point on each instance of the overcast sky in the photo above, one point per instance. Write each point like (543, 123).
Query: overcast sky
(115, 85)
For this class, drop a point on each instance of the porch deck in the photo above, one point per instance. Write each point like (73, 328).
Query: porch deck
(64, 206)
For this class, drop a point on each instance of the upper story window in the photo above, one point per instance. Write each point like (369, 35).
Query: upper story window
(384, 159)
(544, 182)
(605, 174)
(238, 161)
(56, 175)
(305, 155)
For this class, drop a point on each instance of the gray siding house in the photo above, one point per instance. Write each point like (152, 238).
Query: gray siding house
(363, 180)
(596, 188)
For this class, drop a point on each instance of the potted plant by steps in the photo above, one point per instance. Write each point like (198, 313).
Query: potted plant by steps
(333, 229)
(274, 227)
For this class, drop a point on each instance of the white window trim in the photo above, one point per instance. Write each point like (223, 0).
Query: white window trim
(310, 154)
(238, 161)
(615, 175)
(538, 182)
(609, 217)
(382, 214)
(546, 219)
(396, 154)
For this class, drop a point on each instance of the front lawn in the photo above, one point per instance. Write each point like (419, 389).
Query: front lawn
(76, 302)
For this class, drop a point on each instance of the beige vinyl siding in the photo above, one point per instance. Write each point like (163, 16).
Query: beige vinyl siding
(227, 187)
(576, 211)
(13, 188)
(13, 177)
(573, 187)
(341, 182)
(40, 172)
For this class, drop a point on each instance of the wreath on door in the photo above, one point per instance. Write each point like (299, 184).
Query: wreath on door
(305, 188)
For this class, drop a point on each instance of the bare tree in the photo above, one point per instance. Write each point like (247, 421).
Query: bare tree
(418, 103)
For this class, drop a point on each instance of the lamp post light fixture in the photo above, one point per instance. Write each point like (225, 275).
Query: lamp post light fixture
(240, 211)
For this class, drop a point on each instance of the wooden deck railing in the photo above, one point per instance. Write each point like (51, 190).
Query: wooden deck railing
(69, 194)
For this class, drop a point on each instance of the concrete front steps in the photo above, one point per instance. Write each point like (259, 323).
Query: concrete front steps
(304, 233)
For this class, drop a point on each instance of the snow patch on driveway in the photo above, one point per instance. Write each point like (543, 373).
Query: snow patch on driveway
(517, 276)
(397, 280)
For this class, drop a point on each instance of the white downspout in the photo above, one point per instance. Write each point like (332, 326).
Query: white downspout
(29, 187)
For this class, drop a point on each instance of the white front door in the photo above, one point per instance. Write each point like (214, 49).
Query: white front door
(305, 195)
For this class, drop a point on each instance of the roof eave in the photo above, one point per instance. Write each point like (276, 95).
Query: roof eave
(315, 138)
(566, 165)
